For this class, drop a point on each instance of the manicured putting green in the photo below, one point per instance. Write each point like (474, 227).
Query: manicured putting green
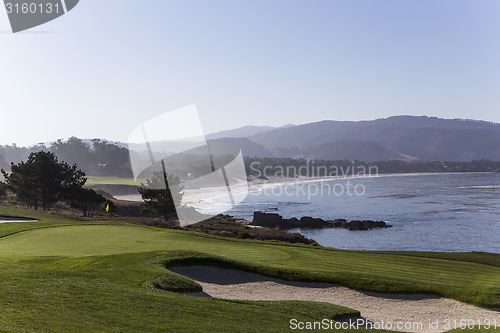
(92, 240)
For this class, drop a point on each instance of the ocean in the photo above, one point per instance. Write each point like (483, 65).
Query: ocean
(428, 212)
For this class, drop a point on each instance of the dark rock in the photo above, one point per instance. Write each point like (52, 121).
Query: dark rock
(364, 225)
(337, 223)
(309, 222)
(357, 225)
(268, 220)
(273, 220)
(375, 224)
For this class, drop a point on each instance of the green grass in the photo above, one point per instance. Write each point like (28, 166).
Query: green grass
(63, 275)
(97, 180)
(377, 271)
(44, 220)
(113, 294)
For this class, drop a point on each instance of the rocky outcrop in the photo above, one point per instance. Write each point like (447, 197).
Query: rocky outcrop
(364, 225)
(273, 220)
(338, 223)
(268, 220)
(310, 222)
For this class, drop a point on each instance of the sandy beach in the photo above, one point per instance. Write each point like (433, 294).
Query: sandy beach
(195, 197)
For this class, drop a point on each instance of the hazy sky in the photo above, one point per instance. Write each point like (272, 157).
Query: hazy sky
(107, 66)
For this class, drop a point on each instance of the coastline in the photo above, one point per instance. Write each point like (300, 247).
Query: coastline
(195, 197)
(256, 184)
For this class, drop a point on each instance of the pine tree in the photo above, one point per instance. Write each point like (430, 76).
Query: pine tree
(42, 180)
(159, 198)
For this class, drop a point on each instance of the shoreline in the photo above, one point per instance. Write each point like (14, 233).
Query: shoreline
(255, 184)
(210, 194)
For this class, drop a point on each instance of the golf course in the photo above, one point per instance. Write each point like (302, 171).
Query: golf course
(62, 275)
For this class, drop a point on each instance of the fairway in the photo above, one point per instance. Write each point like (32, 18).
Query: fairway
(87, 274)
(101, 180)
(378, 271)
(63, 279)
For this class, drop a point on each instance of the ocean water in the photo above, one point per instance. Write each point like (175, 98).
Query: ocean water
(430, 212)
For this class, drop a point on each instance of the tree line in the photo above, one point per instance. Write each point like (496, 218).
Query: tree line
(292, 167)
(96, 157)
(42, 180)
(101, 158)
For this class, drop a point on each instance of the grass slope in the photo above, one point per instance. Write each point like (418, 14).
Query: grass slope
(102, 180)
(112, 294)
(378, 271)
(63, 275)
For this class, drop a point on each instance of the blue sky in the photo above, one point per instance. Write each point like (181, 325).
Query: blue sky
(107, 66)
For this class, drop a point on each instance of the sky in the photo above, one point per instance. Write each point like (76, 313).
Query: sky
(107, 66)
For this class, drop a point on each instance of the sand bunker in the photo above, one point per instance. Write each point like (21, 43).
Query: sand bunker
(14, 219)
(409, 313)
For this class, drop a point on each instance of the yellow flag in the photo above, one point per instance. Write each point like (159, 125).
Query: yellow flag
(107, 208)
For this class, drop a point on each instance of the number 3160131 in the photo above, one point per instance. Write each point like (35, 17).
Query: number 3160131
(32, 8)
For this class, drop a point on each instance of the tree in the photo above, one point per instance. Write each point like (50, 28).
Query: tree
(3, 190)
(111, 160)
(159, 198)
(20, 183)
(73, 150)
(43, 180)
(85, 199)
(3, 163)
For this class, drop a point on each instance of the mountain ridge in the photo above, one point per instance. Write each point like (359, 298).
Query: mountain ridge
(422, 137)
(406, 138)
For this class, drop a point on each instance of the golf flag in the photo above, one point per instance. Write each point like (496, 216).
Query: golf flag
(107, 208)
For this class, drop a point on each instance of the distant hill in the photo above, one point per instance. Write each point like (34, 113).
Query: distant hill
(240, 132)
(353, 150)
(248, 148)
(245, 131)
(406, 138)
(426, 138)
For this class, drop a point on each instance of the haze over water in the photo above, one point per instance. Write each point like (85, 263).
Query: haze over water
(436, 212)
